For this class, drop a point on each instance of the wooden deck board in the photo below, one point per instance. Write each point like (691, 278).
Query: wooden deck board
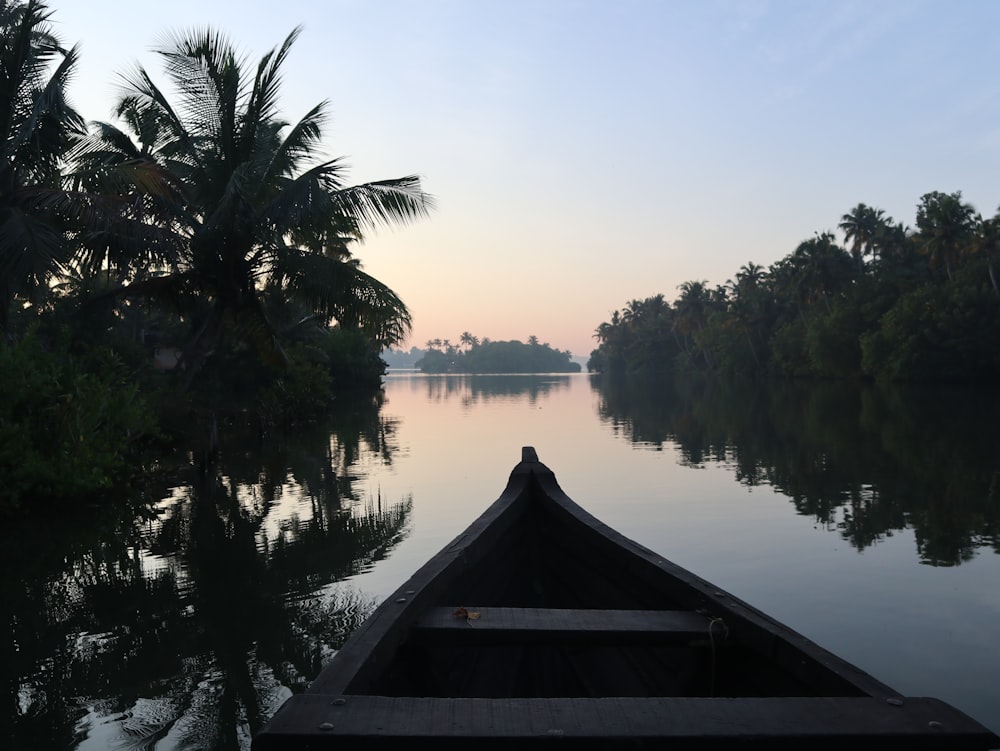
(564, 626)
(317, 721)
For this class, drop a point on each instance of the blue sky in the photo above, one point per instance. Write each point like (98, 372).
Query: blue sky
(586, 153)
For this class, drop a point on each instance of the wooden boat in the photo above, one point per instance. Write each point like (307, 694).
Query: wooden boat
(539, 624)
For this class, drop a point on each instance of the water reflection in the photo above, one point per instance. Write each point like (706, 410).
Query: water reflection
(187, 625)
(866, 460)
(483, 389)
(184, 624)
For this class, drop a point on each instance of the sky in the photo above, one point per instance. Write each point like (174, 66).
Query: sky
(583, 154)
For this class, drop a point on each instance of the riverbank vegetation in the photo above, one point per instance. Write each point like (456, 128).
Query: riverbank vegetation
(474, 356)
(893, 302)
(189, 264)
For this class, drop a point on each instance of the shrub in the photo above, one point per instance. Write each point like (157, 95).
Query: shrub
(66, 432)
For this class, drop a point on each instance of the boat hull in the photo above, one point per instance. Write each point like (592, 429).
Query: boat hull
(539, 623)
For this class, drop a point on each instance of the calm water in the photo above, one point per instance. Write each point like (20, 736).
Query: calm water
(866, 519)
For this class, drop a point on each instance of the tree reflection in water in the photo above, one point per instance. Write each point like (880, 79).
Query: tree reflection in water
(186, 626)
(865, 459)
(477, 389)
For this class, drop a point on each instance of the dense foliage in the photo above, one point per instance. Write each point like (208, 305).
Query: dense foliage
(68, 427)
(486, 356)
(199, 241)
(891, 302)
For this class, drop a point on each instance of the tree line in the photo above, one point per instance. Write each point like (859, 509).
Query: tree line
(472, 355)
(194, 254)
(890, 301)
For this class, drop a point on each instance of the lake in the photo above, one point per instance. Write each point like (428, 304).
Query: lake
(866, 518)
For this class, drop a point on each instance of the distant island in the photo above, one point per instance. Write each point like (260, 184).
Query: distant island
(472, 355)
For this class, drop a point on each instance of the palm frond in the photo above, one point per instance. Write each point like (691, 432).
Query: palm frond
(385, 202)
(299, 143)
(262, 106)
(305, 205)
(31, 249)
(41, 131)
(204, 67)
(107, 161)
(340, 290)
(150, 178)
(168, 289)
(249, 324)
(26, 53)
(145, 100)
(104, 140)
(230, 199)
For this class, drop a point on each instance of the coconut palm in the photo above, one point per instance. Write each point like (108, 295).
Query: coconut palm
(692, 309)
(37, 126)
(259, 218)
(861, 227)
(749, 300)
(986, 242)
(692, 306)
(946, 224)
(823, 268)
(748, 280)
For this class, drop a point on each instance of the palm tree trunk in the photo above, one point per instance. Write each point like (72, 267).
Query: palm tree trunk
(753, 350)
(200, 347)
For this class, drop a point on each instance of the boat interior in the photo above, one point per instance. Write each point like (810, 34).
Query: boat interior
(545, 604)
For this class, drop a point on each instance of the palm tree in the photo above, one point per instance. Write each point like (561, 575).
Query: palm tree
(749, 300)
(37, 126)
(259, 218)
(861, 227)
(692, 306)
(946, 225)
(894, 243)
(692, 309)
(987, 242)
(822, 268)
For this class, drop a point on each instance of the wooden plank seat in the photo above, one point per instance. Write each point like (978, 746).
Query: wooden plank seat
(496, 625)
